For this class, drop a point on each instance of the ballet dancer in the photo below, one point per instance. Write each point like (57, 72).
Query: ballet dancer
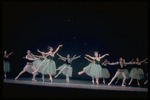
(6, 63)
(94, 69)
(48, 65)
(126, 73)
(120, 70)
(66, 68)
(29, 65)
(38, 62)
(136, 72)
(105, 72)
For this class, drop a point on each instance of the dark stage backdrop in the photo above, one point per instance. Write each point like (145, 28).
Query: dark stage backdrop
(117, 28)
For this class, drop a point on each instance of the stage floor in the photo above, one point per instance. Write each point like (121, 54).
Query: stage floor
(74, 84)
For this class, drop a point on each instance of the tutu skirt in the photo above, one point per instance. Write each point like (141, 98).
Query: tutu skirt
(47, 66)
(64, 72)
(93, 70)
(136, 73)
(6, 66)
(126, 73)
(105, 73)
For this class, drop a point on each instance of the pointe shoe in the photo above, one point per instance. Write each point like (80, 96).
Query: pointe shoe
(138, 84)
(51, 79)
(129, 83)
(109, 84)
(16, 78)
(104, 82)
(93, 81)
(5, 76)
(122, 85)
(55, 76)
(34, 80)
(97, 82)
(67, 80)
(43, 79)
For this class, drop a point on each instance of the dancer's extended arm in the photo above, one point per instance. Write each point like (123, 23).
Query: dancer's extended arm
(57, 48)
(104, 56)
(89, 60)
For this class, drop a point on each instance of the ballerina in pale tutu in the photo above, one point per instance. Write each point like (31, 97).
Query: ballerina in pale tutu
(136, 72)
(48, 65)
(94, 69)
(66, 68)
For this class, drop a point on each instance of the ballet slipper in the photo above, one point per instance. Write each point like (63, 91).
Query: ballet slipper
(51, 79)
(16, 78)
(122, 85)
(43, 79)
(93, 81)
(104, 82)
(109, 84)
(97, 82)
(34, 80)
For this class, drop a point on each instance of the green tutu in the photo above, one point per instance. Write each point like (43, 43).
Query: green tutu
(126, 73)
(93, 70)
(64, 72)
(136, 73)
(105, 73)
(47, 66)
(6, 66)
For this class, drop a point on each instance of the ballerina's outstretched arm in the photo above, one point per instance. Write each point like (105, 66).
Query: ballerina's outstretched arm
(116, 63)
(144, 60)
(73, 58)
(89, 60)
(107, 54)
(90, 56)
(47, 53)
(64, 58)
(57, 49)
(10, 53)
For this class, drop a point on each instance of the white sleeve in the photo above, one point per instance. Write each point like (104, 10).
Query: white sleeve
(116, 63)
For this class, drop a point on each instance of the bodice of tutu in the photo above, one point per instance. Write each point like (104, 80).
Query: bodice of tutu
(68, 62)
(97, 62)
(50, 57)
(119, 65)
(138, 66)
(6, 59)
(42, 59)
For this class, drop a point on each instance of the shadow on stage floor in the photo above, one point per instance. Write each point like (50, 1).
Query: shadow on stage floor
(25, 88)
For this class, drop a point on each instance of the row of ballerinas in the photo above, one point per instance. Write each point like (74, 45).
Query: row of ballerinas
(45, 64)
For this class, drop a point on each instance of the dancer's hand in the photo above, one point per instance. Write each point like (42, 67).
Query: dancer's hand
(60, 45)
(86, 55)
(79, 56)
(107, 54)
(38, 50)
